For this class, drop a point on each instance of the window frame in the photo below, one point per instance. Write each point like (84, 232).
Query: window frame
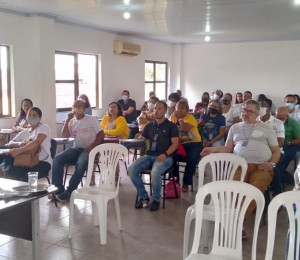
(9, 108)
(75, 81)
(154, 82)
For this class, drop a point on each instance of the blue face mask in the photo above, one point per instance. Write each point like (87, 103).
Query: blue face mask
(124, 97)
(290, 106)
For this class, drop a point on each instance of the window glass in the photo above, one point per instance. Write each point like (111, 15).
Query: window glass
(5, 107)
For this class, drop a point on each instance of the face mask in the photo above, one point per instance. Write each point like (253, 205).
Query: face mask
(213, 111)
(262, 111)
(290, 106)
(32, 120)
(214, 97)
(171, 103)
(226, 102)
(124, 97)
(150, 106)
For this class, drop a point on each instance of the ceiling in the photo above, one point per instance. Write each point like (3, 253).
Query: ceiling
(175, 21)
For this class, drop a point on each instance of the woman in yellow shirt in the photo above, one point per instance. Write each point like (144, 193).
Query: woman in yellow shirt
(190, 139)
(114, 123)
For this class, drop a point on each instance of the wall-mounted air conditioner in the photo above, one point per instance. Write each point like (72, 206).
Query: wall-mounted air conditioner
(126, 48)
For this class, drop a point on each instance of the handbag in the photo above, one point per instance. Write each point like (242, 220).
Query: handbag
(28, 158)
(170, 191)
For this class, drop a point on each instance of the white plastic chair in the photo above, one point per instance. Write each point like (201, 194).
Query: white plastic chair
(231, 200)
(99, 195)
(291, 201)
(223, 166)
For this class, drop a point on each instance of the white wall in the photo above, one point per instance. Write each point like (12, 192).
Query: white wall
(272, 68)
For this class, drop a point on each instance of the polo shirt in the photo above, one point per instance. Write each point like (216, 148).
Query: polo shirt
(295, 114)
(292, 129)
(131, 103)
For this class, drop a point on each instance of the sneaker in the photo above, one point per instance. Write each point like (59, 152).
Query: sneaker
(154, 205)
(52, 195)
(63, 197)
(142, 203)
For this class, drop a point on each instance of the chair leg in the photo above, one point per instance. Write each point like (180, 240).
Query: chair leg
(186, 232)
(71, 216)
(102, 215)
(117, 204)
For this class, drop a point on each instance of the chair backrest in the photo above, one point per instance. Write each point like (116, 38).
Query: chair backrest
(53, 148)
(223, 166)
(108, 158)
(291, 201)
(231, 200)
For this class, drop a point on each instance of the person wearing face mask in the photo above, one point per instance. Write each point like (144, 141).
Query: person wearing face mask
(37, 134)
(148, 115)
(87, 134)
(216, 95)
(201, 107)
(173, 98)
(278, 128)
(145, 105)
(213, 125)
(227, 112)
(290, 103)
(129, 112)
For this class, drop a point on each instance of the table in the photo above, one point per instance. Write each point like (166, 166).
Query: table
(134, 144)
(6, 134)
(64, 141)
(20, 216)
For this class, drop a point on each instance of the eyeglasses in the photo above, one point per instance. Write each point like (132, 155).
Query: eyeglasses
(247, 111)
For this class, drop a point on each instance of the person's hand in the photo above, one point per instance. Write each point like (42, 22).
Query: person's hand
(22, 144)
(207, 143)
(14, 152)
(267, 166)
(206, 151)
(161, 157)
(70, 115)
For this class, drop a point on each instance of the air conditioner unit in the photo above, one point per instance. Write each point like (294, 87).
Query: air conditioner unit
(126, 48)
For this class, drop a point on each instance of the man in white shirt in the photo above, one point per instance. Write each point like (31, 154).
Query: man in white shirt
(87, 134)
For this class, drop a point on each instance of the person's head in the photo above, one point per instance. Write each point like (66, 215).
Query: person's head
(78, 108)
(160, 109)
(250, 111)
(227, 99)
(265, 107)
(247, 95)
(125, 95)
(217, 94)
(152, 102)
(85, 99)
(115, 109)
(290, 101)
(181, 109)
(282, 113)
(238, 98)
(261, 97)
(173, 98)
(178, 91)
(34, 116)
(205, 98)
(214, 107)
(26, 104)
(297, 99)
(152, 94)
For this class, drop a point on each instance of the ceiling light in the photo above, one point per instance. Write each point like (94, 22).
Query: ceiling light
(207, 28)
(296, 2)
(207, 38)
(126, 2)
(126, 15)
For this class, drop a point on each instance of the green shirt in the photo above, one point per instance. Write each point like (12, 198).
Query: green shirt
(292, 129)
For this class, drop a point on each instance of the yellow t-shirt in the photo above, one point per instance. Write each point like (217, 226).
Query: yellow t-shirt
(118, 128)
(192, 135)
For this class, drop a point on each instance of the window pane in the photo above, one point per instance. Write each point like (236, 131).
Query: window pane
(160, 72)
(149, 70)
(64, 67)
(87, 76)
(160, 91)
(148, 87)
(64, 95)
(4, 80)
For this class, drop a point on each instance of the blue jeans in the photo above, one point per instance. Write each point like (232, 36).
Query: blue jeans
(157, 168)
(70, 156)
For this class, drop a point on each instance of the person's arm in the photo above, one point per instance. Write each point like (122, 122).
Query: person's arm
(268, 166)
(172, 148)
(121, 127)
(128, 111)
(295, 141)
(228, 148)
(184, 126)
(66, 128)
(98, 140)
(29, 145)
(280, 141)
(217, 137)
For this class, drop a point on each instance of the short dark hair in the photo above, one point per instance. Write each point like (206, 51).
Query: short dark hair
(164, 104)
(183, 102)
(228, 95)
(290, 95)
(174, 96)
(126, 92)
(269, 102)
(37, 110)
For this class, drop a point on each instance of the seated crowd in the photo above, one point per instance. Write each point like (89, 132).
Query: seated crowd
(267, 138)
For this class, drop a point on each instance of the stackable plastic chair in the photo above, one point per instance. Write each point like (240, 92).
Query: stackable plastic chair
(230, 201)
(99, 195)
(291, 201)
(223, 166)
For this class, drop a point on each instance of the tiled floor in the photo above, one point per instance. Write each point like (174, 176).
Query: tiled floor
(145, 235)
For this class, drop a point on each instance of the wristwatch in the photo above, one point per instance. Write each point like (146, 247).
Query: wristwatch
(273, 164)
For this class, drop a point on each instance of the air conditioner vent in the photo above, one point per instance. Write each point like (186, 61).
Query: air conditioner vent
(126, 48)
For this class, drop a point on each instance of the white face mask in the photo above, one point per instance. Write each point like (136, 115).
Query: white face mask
(32, 120)
(262, 111)
(150, 106)
(171, 103)
(214, 97)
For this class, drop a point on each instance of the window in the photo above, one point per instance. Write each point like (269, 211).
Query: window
(156, 79)
(75, 74)
(5, 101)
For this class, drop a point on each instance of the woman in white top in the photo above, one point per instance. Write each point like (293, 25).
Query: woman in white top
(38, 135)
(227, 112)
